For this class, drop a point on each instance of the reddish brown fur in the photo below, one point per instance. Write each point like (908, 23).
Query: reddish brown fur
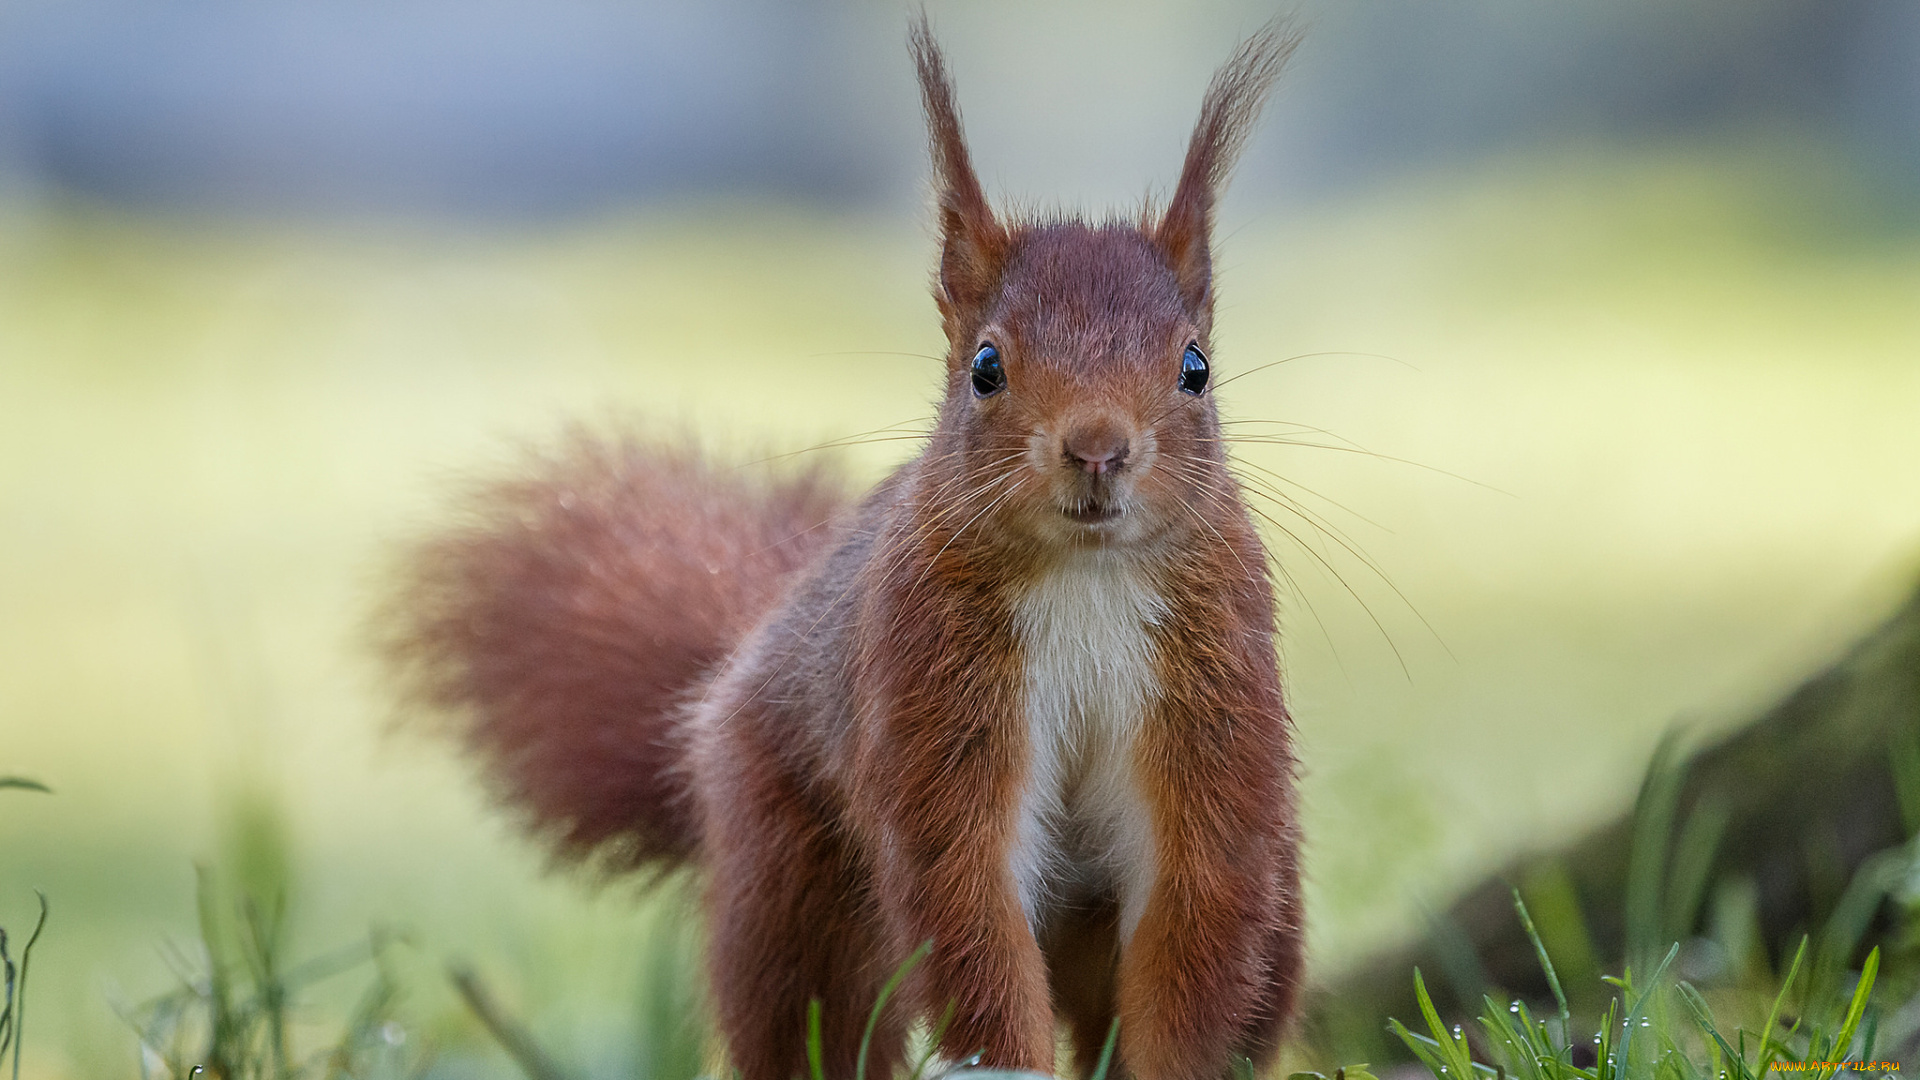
(1232, 104)
(1219, 950)
(568, 614)
(840, 722)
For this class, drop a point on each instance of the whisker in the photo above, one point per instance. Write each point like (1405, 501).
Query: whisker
(1239, 420)
(941, 513)
(1214, 387)
(844, 593)
(853, 505)
(877, 352)
(1346, 542)
(1293, 585)
(1009, 454)
(892, 432)
(1197, 516)
(1297, 426)
(1267, 490)
(1309, 356)
(1277, 441)
(956, 533)
(1340, 536)
(782, 665)
(1282, 478)
(1328, 566)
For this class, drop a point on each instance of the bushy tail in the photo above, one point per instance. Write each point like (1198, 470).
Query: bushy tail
(569, 617)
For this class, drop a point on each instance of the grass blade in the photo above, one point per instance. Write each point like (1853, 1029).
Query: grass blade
(1106, 1051)
(1425, 1049)
(1767, 1043)
(1546, 963)
(880, 1003)
(261, 947)
(816, 1045)
(1455, 1056)
(933, 1043)
(1506, 1039)
(1704, 1018)
(512, 1037)
(1691, 870)
(18, 1012)
(1639, 1006)
(1648, 854)
(6, 1001)
(1844, 1040)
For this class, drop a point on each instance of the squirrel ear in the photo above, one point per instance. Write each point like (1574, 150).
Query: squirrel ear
(974, 245)
(1233, 101)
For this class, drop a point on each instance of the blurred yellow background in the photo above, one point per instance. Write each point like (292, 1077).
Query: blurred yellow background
(1643, 414)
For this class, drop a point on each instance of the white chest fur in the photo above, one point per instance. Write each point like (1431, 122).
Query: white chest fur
(1090, 682)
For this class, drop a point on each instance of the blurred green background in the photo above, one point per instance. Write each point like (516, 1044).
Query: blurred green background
(1641, 394)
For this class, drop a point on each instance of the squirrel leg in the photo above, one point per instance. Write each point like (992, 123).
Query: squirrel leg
(945, 877)
(1285, 968)
(1192, 983)
(985, 964)
(1212, 963)
(790, 923)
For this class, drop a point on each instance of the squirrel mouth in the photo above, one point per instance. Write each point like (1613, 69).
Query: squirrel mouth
(1093, 513)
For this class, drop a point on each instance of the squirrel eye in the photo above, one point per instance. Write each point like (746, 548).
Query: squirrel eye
(1193, 370)
(989, 377)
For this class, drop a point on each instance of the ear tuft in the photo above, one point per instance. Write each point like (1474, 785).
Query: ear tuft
(1232, 104)
(974, 245)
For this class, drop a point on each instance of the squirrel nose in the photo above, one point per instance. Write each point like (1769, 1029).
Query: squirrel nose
(1098, 448)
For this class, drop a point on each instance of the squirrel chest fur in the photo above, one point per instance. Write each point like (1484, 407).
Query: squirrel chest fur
(1020, 702)
(1090, 678)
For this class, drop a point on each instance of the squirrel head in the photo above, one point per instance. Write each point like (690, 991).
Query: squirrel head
(1078, 402)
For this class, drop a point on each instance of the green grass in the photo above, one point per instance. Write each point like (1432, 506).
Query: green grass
(1656, 1028)
(236, 1011)
(1696, 390)
(13, 1006)
(241, 1008)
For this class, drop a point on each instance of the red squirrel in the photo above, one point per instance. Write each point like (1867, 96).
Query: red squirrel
(1021, 700)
